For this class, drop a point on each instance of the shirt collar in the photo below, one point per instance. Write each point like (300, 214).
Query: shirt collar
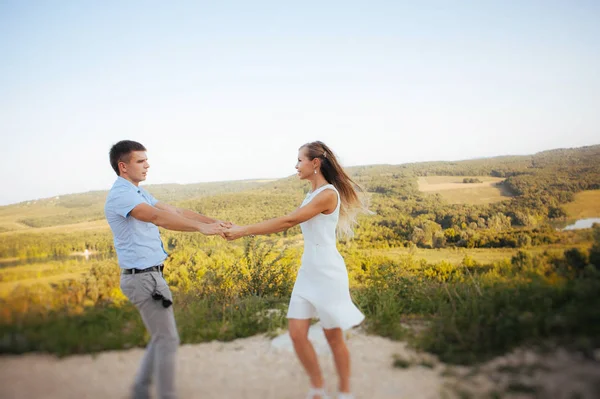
(122, 182)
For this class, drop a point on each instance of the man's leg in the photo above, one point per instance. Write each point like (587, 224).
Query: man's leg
(159, 359)
(143, 379)
(160, 356)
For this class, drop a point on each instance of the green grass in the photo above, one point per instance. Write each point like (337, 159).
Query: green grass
(401, 363)
(99, 328)
(54, 272)
(6, 288)
(44, 273)
(114, 326)
(480, 311)
(462, 312)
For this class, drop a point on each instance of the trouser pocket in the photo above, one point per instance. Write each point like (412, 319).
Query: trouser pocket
(162, 292)
(139, 288)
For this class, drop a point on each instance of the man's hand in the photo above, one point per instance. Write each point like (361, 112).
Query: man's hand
(211, 229)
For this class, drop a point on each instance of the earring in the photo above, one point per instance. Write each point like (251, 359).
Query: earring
(315, 171)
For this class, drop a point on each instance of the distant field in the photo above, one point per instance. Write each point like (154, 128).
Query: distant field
(10, 216)
(27, 275)
(48, 213)
(456, 255)
(453, 190)
(450, 254)
(586, 205)
(7, 287)
(66, 228)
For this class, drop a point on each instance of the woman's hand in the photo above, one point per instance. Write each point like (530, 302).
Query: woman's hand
(235, 232)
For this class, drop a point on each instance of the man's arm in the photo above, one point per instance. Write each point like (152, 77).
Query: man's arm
(186, 213)
(173, 220)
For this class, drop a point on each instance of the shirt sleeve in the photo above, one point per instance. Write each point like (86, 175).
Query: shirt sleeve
(150, 198)
(124, 202)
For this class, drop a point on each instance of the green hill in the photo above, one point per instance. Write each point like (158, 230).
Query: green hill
(88, 207)
(530, 191)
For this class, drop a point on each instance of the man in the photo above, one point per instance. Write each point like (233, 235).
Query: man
(133, 215)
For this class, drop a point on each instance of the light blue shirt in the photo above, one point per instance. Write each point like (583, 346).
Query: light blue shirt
(137, 243)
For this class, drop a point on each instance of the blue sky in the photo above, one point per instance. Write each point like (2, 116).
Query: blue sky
(230, 90)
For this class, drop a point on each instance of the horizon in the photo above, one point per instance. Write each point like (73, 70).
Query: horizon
(146, 183)
(223, 92)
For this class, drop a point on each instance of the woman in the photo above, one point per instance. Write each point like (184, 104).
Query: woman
(321, 288)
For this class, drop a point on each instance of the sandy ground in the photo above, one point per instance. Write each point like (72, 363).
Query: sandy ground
(245, 368)
(259, 367)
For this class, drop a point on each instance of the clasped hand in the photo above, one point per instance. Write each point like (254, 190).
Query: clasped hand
(229, 230)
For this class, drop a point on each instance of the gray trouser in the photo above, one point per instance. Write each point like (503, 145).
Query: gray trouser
(159, 359)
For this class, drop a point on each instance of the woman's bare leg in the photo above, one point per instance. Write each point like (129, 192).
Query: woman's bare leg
(341, 356)
(305, 351)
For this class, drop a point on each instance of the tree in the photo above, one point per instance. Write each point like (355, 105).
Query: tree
(439, 239)
(523, 240)
(594, 257)
(577, 259)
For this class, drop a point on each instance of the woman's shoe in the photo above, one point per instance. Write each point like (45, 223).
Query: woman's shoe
(345, 395)
(320, 392)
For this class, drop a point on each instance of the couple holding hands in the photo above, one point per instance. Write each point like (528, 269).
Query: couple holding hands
(321, 288)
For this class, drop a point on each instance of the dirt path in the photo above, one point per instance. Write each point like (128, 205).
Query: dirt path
(245, 368)
(259, 367)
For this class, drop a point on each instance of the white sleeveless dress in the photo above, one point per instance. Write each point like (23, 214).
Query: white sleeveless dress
(321, 289)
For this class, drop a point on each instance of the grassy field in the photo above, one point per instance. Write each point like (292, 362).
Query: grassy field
(453, 190)
(96, 225)
(10, 216)
(8, 287)
(586, 205)
(450, 182)
(55, 271)
(23, 218)
(456, 255)
(472, 313)
(452, 255)
(39, 273)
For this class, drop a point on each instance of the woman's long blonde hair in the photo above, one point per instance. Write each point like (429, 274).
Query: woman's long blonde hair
(353, 197)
